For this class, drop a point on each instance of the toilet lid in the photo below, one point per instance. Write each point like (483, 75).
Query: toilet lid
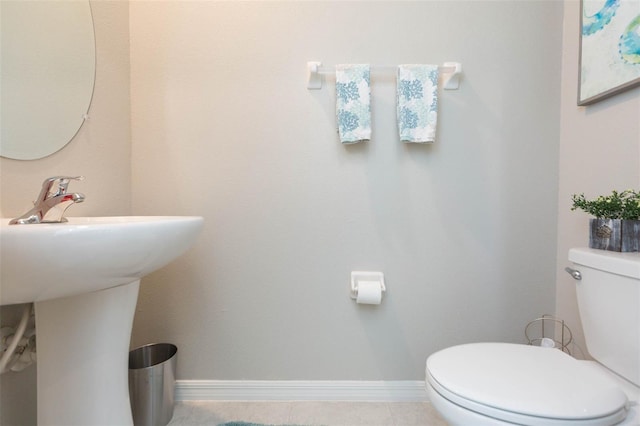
(509, 381)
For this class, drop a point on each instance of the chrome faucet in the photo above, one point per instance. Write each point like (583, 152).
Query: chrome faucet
(51, 203)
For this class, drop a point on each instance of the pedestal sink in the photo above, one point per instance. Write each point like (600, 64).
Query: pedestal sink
(84, 276)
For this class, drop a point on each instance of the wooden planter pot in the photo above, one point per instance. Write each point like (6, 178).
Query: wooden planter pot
(615, 234)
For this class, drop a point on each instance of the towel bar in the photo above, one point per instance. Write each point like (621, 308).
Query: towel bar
(450, 72)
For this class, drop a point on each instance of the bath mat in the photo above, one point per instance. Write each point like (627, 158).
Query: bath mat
(249, 424)
(241, 424)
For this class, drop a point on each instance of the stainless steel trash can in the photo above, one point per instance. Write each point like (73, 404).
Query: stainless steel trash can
(152, 377)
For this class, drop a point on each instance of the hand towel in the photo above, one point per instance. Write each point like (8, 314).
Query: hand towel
(353, 102)
(417, 97)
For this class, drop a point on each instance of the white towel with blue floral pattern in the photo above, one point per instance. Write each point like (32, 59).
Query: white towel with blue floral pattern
(353, 102)
(417, 99)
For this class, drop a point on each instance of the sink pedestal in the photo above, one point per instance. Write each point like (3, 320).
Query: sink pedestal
(82, 348)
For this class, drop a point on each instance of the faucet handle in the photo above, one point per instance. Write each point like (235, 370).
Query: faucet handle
(64, 179)
(63, 183)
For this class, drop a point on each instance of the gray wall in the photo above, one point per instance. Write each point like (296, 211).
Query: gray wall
(464, 230)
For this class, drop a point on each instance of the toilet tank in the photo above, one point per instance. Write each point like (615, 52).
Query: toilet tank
(609, 303)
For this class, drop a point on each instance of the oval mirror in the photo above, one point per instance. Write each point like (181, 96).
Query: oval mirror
(48, 64)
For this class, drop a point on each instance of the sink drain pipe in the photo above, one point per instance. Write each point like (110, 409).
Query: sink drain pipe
(22, 327)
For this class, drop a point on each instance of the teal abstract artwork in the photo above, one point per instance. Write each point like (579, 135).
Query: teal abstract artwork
(609, 48)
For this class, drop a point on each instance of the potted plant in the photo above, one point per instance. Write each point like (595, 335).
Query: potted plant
(616, 225)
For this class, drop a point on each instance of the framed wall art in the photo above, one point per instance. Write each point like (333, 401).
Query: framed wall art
(609, 48)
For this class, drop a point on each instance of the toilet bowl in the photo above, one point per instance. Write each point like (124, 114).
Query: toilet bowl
(505, 384)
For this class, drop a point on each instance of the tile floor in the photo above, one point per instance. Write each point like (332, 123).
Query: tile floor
(306, 413)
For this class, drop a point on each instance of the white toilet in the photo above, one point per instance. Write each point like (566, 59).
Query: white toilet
(504, 384)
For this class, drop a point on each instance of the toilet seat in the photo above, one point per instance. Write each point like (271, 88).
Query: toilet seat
(526, 385)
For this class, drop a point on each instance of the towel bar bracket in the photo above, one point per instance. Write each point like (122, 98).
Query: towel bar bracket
(450, 72)
(451, 80)
(314, 80)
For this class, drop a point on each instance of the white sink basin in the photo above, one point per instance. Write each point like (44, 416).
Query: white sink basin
(46, 261)
(84, 277)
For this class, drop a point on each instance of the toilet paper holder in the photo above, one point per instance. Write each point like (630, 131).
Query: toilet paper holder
(358, 276)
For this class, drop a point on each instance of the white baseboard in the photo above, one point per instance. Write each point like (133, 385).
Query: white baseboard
(295, 390)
